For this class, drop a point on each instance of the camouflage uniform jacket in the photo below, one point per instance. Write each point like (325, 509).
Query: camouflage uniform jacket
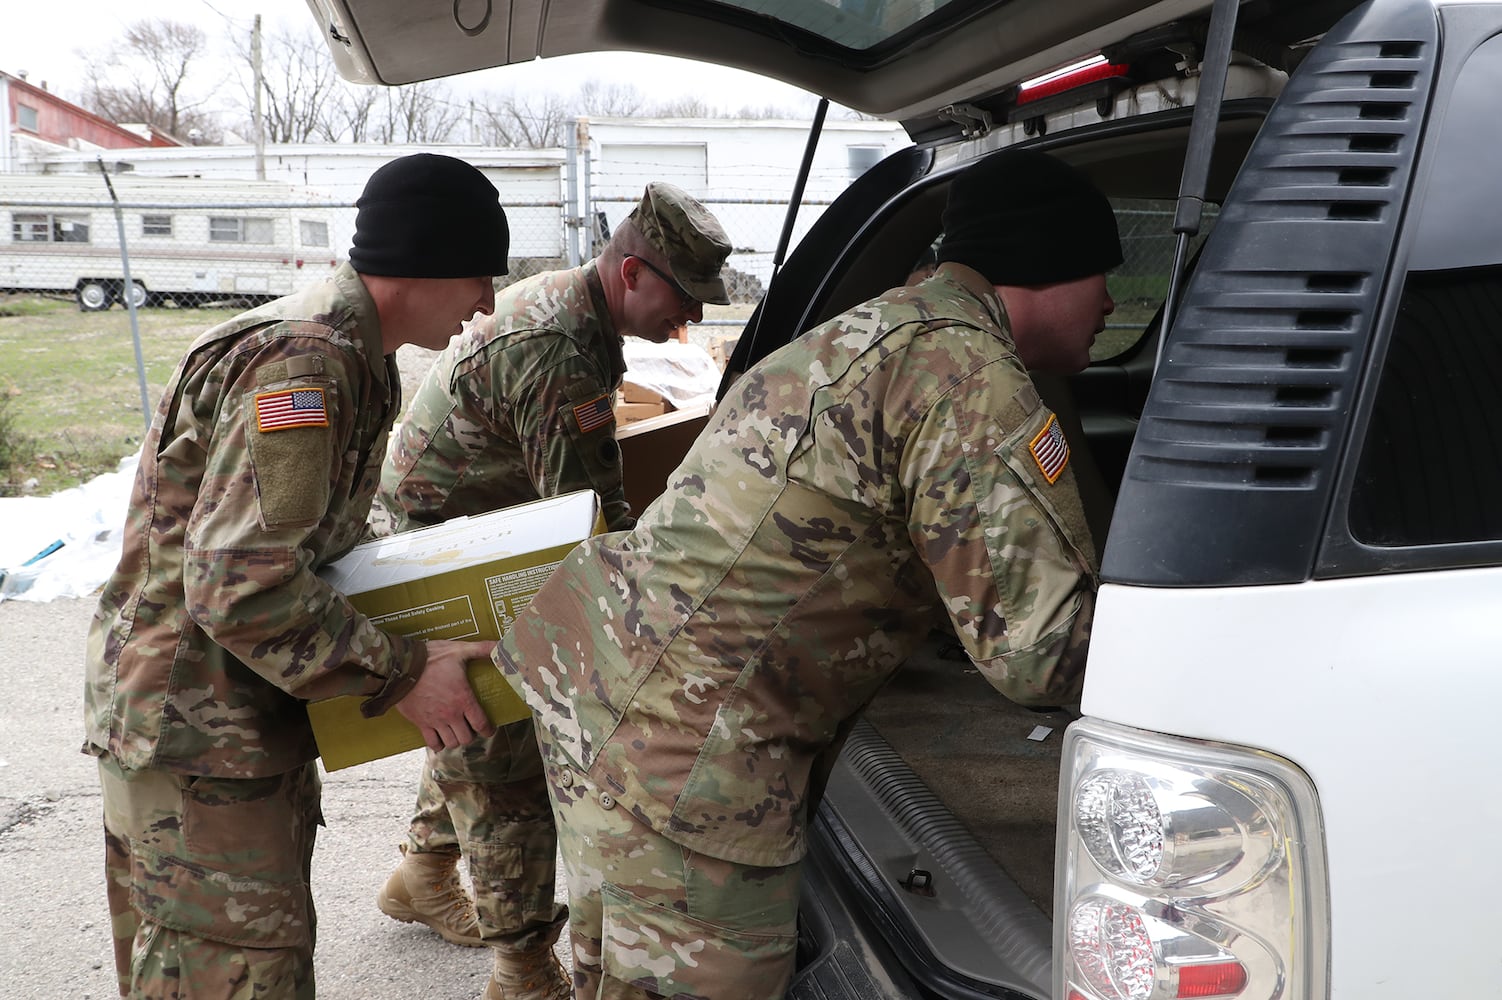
(258, 469)
(518, 407)
(704, 667)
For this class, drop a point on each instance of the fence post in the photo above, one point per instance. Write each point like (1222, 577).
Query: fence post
(591, 229)
(129, 290)
(571, 197)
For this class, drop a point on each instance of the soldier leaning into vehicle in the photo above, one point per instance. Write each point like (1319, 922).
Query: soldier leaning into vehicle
(259, 468)
(693, 679)
(518, 408)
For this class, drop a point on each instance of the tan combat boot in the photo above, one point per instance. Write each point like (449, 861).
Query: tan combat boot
(425, 889)
(529, 975)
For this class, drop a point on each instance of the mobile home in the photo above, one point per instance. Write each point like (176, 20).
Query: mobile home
(189, 241)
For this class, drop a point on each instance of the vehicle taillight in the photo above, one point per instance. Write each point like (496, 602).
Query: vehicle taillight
(1186, 870)
(1156, 831)
(1116, 953)
(1213, 979)
(1124, 953)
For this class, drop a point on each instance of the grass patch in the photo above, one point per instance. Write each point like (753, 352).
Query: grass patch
(29, 305)
(70, 404)
(15, 448)
(72, 400)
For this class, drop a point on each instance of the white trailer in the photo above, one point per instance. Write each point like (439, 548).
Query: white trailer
(189, 241)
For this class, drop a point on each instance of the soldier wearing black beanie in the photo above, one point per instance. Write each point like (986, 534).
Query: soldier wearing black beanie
(285, 415)
(430, 216)
(1021, 217)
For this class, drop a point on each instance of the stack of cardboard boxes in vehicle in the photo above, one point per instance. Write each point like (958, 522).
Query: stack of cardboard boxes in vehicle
(634, 403)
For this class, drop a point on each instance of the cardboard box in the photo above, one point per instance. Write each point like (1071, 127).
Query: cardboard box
(633, 393)
(652, 448)
(630, 413)
(467, 578)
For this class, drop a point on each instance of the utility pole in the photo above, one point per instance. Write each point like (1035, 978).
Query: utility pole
(260, 121)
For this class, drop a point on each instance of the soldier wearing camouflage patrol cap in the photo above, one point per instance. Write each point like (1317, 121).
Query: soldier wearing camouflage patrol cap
(215, 628)
(692, 680)
(517, 408)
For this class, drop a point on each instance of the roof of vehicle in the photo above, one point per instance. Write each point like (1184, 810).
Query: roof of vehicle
(897, 59)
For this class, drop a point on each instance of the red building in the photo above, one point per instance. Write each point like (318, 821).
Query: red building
(33, 119)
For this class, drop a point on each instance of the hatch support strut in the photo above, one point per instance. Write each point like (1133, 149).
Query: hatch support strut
(787, 224)
(1214, 65)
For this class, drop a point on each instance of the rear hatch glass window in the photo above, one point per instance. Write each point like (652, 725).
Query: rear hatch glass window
(850, 24)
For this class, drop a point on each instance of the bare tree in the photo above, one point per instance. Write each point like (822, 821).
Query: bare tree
(686, 106)
(300, 89)
(305, 100)
(153, 74)
(766, 112)
(351, 114)
(609, 100)
(416, 112)
(145, 77)
(528, 123)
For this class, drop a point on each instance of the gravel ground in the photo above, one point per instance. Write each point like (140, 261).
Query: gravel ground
(54, 927)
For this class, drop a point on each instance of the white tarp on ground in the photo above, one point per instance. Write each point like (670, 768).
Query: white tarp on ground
(81, 526)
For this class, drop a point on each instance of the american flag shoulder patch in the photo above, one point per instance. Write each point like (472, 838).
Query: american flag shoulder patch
(594, 413)
(1050, 450)
(288, 408)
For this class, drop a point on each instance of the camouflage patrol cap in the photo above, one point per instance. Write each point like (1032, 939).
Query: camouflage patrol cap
(688, 236)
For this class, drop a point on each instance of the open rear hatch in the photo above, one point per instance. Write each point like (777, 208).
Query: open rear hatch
(899, 59)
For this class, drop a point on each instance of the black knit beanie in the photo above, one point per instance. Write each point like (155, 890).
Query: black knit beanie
(1021, 217)
(429, 216)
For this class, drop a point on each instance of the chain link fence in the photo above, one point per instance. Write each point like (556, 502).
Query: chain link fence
(754, 226)
(194, 242)
(1138, 286)
(204, 243)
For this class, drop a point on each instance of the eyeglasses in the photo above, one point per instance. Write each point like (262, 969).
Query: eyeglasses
(684, 299)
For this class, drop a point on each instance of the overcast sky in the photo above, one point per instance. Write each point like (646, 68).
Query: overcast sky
(52, 40)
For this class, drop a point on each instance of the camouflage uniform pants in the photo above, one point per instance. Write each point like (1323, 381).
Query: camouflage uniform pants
(207, 880)
(651, 918)
(490, 800)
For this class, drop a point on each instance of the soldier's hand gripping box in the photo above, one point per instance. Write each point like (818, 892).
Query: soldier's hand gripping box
(466, 578)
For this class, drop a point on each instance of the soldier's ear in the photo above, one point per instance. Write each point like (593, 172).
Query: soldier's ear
(631, 271)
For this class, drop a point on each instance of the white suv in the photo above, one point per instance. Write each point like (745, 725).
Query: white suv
(1279, 786)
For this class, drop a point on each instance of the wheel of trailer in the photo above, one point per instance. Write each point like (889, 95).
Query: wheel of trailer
(138, 295)
(94, 295)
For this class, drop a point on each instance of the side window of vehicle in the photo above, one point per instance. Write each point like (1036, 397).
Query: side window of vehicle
(1431, 470)
(1140, 284)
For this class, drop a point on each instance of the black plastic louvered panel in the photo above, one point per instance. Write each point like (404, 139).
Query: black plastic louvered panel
(1232, 465)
